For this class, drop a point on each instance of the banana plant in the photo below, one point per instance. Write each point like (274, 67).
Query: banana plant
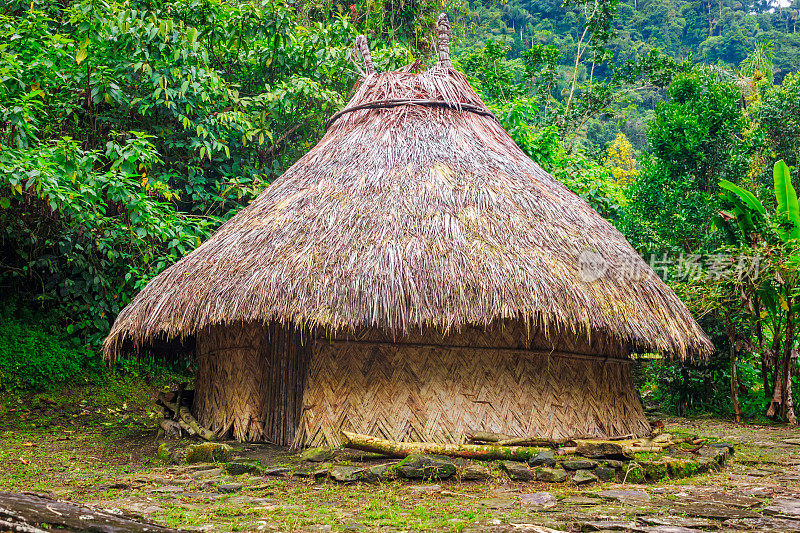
(751, 216)
(774, 298)
(787, 216)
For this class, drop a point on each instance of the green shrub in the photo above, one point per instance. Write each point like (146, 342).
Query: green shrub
(35, 354)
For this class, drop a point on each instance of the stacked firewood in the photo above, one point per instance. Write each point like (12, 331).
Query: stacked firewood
(177, 419)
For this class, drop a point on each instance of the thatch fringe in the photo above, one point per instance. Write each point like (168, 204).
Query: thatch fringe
(408, 217)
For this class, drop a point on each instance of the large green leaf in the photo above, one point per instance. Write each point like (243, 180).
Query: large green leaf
(746, 196)
(788, 212)
(748, 210)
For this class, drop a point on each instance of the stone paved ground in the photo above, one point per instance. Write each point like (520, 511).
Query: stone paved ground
(108, 459)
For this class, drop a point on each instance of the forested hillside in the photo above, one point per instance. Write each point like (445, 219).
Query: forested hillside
(713, 33)
(129, 131)
(718, 31)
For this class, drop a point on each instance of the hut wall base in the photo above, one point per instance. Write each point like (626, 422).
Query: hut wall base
(414, 393)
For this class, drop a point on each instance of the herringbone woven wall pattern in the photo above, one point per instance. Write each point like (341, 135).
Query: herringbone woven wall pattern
(423, 393)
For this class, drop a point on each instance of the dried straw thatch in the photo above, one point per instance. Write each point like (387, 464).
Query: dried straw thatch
(416, 209)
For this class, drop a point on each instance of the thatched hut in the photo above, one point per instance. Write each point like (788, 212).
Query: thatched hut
(414, 276)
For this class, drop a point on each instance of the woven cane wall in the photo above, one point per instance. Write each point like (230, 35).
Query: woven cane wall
(249, 382)
(420, 392)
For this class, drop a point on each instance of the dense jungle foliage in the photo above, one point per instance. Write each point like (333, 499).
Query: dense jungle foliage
(130, 130)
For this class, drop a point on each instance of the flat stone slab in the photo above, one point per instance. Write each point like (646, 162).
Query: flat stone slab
(168, 489)
(712, 510)
(474, 472)
(796, 442)
(583, 477)
(206, 472)
(344, 474)
(582, 501)
(623, 495)
(550, 475)
(784, 507)
(424, 489)
(682, 521)
(608, 525)
(666, 529)
(767, 523)
(277, 471)
(227, 488)
(543, 458)
(518, 527)
(516, 471)
(499, 503)
(544, 500)
(579, 464)
(731, 499)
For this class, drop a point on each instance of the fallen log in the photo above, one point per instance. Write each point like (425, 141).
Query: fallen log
(535, 441)
(483, 452)
(187, 418)
(27, 512)
(602, 450)
(170, 427)
(644, 449)
(487, 436)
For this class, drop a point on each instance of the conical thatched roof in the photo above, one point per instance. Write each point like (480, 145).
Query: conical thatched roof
(411, 214)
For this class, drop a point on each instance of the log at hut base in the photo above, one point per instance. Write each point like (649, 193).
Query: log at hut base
(483, 452)
(500, 450)
(478, 437)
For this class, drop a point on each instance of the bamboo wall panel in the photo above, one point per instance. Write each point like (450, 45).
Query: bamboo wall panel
(249, 381)
(427, 393)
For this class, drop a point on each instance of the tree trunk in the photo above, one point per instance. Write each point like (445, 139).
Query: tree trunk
(787, 411)
(734, 380)
(777, 393)
(762, 346)
(790, 416)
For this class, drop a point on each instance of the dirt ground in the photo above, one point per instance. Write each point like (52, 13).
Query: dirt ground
(96, 444)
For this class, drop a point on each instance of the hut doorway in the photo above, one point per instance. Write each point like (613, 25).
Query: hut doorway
(250, 380)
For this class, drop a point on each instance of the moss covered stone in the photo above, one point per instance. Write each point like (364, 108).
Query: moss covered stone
(550, 475)
(376, 473)
(474, 472)
(317, 455)
(516, 471)
(426, 467)
(606, 473)
(654, 470)
(680, 468)
(634, 473)
(208, 452)
(236, 468)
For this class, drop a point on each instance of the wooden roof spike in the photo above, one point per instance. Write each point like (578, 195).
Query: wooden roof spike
(443, 31)
(362, 48)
